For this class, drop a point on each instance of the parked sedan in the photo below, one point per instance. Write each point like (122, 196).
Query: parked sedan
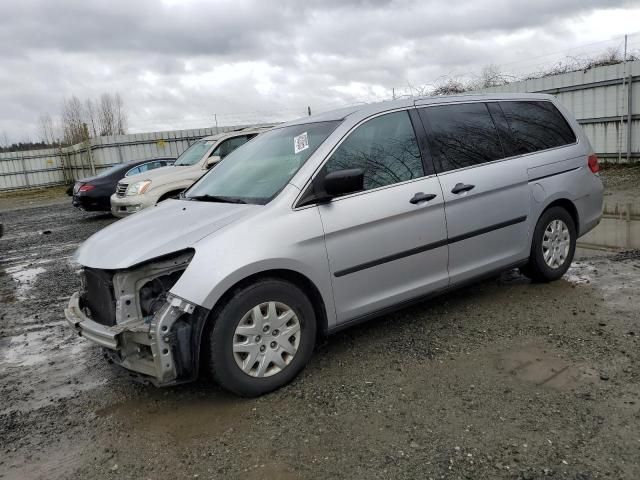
(93, 194)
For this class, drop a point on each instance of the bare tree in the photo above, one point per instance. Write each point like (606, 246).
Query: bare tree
(106, 114)
(91, 109)
(47, 129)
(4, 139)
(491, 76)
(450, 87)
(121, 115)
(72, 120)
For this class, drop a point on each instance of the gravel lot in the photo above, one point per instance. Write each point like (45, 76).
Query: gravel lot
(503, 379)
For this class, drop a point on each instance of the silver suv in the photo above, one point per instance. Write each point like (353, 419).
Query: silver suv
(331, 220)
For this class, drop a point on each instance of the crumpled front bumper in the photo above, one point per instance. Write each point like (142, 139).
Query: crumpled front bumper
(165, 350)
(97, 333)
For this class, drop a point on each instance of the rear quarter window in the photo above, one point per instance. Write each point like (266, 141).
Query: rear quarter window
(536, 126)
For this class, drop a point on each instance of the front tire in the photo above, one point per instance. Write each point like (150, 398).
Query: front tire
(553, 246)
(261, 338)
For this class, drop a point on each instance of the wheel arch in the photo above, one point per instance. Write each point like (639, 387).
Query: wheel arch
(291, 276)
(568, 205)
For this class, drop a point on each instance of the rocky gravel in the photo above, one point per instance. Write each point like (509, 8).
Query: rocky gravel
(503, 379)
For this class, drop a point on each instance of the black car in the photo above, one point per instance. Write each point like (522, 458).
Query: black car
(93, 194)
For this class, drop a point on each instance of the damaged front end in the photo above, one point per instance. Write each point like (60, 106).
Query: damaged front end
(142, 325)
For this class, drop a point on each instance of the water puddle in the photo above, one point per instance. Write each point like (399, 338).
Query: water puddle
(619, 228)
(535, 365)
(58, 362)
(185, 419)
(25, 275)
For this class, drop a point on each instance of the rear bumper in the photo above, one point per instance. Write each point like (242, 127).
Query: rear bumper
(590, 207)
(91, 204)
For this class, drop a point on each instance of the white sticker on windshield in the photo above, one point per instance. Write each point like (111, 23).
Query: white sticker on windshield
(301, 142)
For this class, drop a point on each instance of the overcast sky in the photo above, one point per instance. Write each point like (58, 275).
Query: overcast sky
(177, 63)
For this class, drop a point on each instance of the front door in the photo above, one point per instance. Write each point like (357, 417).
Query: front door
(387, 243)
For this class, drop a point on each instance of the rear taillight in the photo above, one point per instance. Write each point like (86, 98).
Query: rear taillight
(592, 161)
(86, 188)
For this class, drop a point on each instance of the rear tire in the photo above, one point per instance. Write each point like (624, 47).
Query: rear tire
(261, 338)
(552, 247)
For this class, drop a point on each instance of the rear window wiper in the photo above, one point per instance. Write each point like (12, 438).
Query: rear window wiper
(215, 198)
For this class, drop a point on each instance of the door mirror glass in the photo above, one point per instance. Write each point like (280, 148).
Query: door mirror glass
(342, 182)
(212, 160)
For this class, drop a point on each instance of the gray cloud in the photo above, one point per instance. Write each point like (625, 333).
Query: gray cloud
(178, 63)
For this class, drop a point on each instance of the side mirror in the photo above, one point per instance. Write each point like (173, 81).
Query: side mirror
(334, 184)
(342, 182)
(212, 160)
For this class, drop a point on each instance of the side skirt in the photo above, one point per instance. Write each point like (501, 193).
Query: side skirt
(422, 298)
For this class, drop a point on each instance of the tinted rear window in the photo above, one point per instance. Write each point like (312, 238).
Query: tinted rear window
(461, 135)
(536, 126)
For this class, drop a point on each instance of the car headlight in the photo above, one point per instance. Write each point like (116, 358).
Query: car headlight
(138, 188)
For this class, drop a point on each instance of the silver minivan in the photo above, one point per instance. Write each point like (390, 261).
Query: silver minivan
(331, 220)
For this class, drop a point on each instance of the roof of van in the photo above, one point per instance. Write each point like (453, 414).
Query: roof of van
(372, 108)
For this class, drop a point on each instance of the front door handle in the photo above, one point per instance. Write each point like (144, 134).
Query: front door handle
(461, 187)
(422, 197)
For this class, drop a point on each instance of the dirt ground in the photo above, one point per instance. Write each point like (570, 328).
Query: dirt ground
(503, 379)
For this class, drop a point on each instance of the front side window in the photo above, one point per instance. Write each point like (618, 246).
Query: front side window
(133, 171)
(537, 125)
(385, 148)
(194, 153)
(229, 145)
(258, 171)
(461, 135)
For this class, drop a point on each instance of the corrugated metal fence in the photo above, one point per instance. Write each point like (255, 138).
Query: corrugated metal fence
(606, 102)
(55, 166)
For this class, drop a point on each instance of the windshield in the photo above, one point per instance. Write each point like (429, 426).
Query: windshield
(257, 171)
(194, 153)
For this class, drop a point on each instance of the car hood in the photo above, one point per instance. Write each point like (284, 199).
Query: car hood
(171, 172)
(171, 226)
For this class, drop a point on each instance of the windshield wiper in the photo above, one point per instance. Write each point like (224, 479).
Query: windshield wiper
(215, 198)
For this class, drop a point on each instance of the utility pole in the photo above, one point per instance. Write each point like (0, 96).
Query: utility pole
(624, 78)
(88, 142)
(215, 117)
(309, 110)
(393, 93)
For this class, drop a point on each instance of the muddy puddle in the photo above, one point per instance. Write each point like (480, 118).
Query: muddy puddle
(534, 364)
(619, 228)
(25, 275)
(183, 420)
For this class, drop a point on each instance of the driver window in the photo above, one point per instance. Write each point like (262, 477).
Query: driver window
(384, 147)
(228, 146)
(133, 171)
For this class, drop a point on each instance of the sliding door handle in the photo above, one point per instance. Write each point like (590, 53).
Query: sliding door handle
(422, 197)
(461, 187)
